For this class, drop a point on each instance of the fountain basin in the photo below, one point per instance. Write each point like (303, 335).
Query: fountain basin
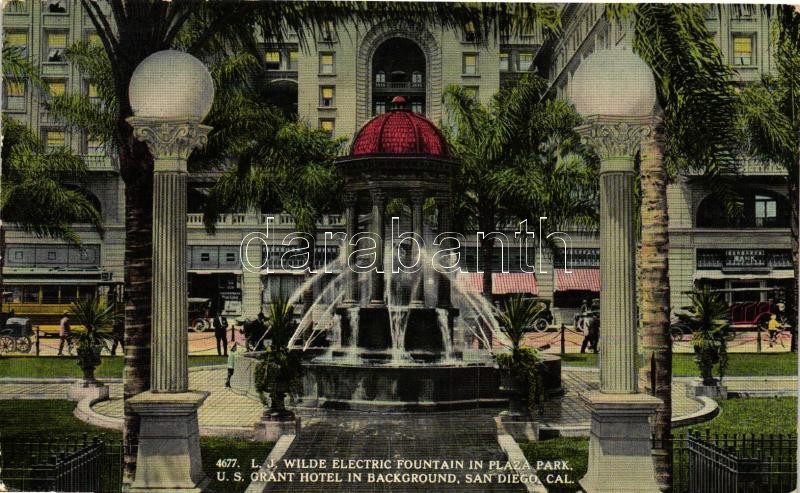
(395, 387)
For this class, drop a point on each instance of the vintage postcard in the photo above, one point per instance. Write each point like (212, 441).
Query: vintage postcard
(324, 246)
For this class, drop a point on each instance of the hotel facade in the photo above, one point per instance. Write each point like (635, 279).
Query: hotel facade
(350, 75)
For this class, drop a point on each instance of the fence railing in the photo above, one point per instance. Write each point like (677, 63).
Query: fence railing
(734, 463)
(70, 463)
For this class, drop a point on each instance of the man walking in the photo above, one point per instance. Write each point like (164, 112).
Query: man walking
(220, 332)
(64, 331)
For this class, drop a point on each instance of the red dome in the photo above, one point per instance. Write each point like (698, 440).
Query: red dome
(400, 132)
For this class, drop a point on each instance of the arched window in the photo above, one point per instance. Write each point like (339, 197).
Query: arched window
(757, 209)
(380, 79)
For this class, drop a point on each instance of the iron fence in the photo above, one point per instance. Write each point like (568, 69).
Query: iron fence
(734, 463)
(71, 463)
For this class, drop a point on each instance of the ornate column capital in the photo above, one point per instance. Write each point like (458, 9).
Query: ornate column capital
(617, 138)
(378, 198)
(170, 141)
(417, 197)
(350, 199)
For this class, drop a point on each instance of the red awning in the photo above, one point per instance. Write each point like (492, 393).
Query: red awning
(502, 283)
(578, 280)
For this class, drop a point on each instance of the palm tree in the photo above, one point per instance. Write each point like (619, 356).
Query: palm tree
(770, 123)
(697, 94)
(97, 317)
(517, 156)
(279, 371)
(517, 315)
(292, 169)
(129, 35)
(36, 194)
(707, 318)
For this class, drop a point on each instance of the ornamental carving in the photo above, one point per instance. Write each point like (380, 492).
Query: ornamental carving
(170, 139)
(616, 137)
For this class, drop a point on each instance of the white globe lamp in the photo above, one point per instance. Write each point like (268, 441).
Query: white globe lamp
(171, 85)
(613, 82)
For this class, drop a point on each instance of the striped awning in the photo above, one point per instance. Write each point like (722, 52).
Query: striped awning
(578, 280)
(502, 283)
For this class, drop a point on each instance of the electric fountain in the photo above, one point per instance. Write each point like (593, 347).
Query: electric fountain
(390, 332)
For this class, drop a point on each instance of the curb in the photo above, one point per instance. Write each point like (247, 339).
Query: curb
(269, 465)
(520, 463)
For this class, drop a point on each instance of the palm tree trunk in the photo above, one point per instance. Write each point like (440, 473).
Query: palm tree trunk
(791, 296)
(2, 263)
(137, 171)
(487, 225)
(655, 299)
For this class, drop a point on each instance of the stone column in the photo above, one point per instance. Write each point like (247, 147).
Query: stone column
(620, 457)
(378, 228)
(445, 224)
(418, 290)
(169, 435)
(350, 276)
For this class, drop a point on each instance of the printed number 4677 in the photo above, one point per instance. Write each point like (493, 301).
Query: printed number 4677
(227, 463)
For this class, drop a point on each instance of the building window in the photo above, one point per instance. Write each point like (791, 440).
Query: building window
(15, 7)
(471, 92)
(766, 211)
(94, 146)
(327, 124)
(328, 32)
(380, 79)
(56, 43)
(380, 107)
(416, 79)
(205, 257)
(470, 33)
(469, 64)
(54, 138)
(56, 88)
(326, 96)
(525, 61)
(505, 59)
(294, 57)
(17, 40)
(56, 7)
(93, 39)
(327, 63)
(272, 60)
(743, 50)
(416, 107)
(13, 95)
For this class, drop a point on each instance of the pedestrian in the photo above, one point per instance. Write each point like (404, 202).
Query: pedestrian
(220, 333)
(234, 350)
(773, 327)
(592, 336)
(118, 332)
(64, 331)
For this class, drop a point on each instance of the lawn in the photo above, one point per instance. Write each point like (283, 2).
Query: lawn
(67, 366)
(739, 364)
(776, 415)
(36, 420)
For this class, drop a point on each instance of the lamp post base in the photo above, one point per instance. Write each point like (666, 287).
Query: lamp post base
(168, 458)
(620, 446)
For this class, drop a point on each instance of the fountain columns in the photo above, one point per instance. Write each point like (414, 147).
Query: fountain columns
(445, 224)
(418, 290)
(351, 279)
(378, 229)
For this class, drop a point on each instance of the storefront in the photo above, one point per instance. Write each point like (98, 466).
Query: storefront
(215, 276)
